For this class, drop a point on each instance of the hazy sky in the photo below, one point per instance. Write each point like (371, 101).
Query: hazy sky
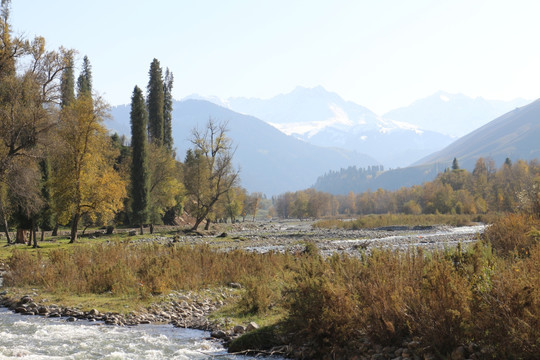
(380, 54)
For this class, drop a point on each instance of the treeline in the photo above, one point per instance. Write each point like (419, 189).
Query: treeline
(510, 188)
(60, 167)
(345, 180)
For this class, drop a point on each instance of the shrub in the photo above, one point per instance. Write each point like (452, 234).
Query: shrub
(508, 312)
(513, 233)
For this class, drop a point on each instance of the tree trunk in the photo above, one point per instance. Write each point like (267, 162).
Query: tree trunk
(141, 229)
(207, 226)
(30, 236)
(74, 226)
(21, 236)
(151, 228)
(55, 230)
(197, 223)
(6, 226)
(34, 233)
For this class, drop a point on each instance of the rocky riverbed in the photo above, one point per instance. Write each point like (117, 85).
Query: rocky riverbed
(292, 235)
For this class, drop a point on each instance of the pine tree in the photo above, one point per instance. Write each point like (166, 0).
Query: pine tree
(455, 165)
(140, 176)
(67, 83)
(155, 102)
(84, 82)
(167, 110)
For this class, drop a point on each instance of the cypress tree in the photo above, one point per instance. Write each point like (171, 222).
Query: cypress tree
(155, 102)
(67, 84)
(140, 176)
(167, 110)
(84, 81)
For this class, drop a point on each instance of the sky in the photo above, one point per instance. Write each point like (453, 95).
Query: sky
(380, 54)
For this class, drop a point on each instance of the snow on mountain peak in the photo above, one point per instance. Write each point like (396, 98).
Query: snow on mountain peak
(444, 98)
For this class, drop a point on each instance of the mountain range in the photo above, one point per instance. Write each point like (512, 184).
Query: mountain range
(324, 118)
(309, 132)
(269, 160)
(396, 139)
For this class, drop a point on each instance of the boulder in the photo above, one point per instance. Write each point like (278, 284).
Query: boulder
(218, 334)
(252, 326)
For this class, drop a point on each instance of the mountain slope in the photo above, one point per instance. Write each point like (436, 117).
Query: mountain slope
(452, 114)
(323, 118)
(270, 161)
(515, 135)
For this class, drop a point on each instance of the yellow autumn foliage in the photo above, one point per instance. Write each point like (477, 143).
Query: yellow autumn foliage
(84, 180)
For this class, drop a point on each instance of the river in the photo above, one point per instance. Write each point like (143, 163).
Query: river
(35, 337)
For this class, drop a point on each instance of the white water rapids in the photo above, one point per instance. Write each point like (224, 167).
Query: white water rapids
(35, 337)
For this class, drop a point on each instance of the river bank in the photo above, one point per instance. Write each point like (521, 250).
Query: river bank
(192, 310)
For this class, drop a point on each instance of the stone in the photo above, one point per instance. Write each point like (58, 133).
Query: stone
(239, 329)
(252, 326)
(132, 232)
(235, 285)
(93, 312)
(26, 299)
(71, 319)
(43, 310)
(218, 334)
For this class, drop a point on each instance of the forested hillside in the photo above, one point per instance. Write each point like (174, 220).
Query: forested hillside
(512, 187)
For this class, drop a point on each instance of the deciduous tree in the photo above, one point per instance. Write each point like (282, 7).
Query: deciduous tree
(84, 180)
(208, 170)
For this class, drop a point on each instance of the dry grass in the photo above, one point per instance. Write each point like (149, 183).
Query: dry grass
(123, 269)
(375, 221)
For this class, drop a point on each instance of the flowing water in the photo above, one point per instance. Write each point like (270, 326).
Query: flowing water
(34, 337)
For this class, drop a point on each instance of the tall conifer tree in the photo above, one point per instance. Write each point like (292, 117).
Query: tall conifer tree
(155, 103)
(84, 82)
(140, 176)
(67, 83)
(167, 110)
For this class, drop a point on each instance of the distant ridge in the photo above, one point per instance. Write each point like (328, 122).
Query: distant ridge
(453, 114)
(515, 135)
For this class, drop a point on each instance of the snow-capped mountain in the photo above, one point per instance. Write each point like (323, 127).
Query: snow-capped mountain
(324, 118)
